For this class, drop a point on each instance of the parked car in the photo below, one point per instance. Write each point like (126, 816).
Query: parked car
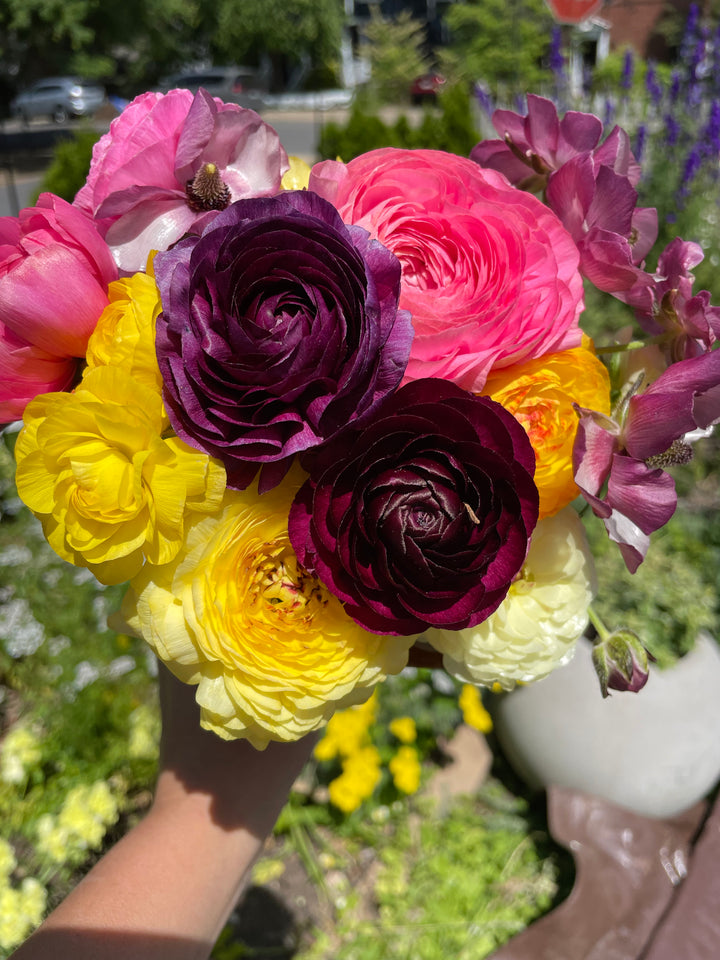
(58, 98)
(232, 84)
(426, 87)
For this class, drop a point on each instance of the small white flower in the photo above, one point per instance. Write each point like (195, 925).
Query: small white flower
(85, 674)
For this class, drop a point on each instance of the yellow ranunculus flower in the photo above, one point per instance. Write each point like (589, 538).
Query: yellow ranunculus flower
(406, 770)
(536, 627)
(474, 713)
(111, 491)
(298, 176)
(272, 651)
(404, 729)
(540, 394)
(125, 332)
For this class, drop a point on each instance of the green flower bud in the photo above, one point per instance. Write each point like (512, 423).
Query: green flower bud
(621, 662)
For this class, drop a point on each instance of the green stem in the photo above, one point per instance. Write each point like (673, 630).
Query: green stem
(633, 345)
(602, 630)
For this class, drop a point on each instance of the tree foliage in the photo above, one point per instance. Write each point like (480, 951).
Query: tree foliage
(288, 31)
(498, 42)
(395, 49)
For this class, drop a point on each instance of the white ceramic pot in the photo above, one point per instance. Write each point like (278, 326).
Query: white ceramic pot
(656, 751)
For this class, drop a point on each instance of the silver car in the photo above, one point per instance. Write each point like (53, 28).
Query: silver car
(58, 98)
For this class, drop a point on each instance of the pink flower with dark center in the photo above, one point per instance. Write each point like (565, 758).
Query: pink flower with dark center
(170, 163)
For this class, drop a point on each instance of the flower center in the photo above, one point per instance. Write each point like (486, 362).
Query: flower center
(207, 190)
(281, 586)
(677, 453)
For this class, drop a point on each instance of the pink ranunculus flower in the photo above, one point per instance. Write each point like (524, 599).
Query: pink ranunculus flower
(26, 371)
(55, 269)
(489, 274)
(169, 163)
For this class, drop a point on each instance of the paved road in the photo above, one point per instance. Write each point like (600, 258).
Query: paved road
(299, 133)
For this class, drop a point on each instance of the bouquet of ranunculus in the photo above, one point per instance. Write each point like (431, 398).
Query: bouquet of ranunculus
(311, 416)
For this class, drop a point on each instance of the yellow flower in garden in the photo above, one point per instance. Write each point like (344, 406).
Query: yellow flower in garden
(7, 860)
(272, 651)
(298, 176)
(404, 729)
(474, 713)
(405, 769)
(53, 841)
(125, 332)
(21, 910)
(109, 488)
(536, 627)
(360, 775)
(540, 394)
(347, 730)
(20, 753)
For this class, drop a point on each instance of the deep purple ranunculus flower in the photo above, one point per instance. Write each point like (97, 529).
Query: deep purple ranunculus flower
(279, 327)
(424, 517)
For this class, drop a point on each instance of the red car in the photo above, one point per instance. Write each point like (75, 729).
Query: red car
(426, 87)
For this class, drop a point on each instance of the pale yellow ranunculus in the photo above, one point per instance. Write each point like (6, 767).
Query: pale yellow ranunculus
(110, 489)
(272, 651)
(537, 625)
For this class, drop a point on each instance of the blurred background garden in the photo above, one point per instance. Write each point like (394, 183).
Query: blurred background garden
(407, 835)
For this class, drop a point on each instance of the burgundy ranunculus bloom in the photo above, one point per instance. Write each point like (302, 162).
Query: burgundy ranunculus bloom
(423, 518)
(279, 327)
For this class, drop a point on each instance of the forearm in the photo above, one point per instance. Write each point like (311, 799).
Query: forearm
(166, 889)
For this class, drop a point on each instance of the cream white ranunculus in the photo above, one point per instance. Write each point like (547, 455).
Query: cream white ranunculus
(536, 627)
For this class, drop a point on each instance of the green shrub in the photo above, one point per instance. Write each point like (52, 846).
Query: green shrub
(70, 165)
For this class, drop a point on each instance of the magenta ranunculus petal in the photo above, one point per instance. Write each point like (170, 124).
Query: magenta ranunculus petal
(423, 518)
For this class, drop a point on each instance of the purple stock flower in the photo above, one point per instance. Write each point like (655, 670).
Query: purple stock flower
(279, 327)
(640, 138)
(675, 83)
(691, 168)
(484, 99)
(652, 86)
(609, 113)
(628, 71)
(672, 130)
(423, 518)
(620, 467)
